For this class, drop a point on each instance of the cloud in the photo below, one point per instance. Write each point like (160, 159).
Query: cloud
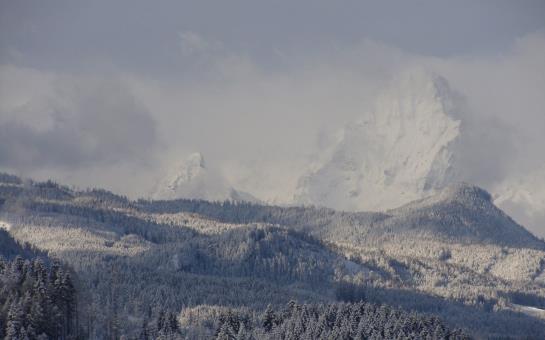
(192, 43)
(504, 94)
(240, 109)
(70, 122)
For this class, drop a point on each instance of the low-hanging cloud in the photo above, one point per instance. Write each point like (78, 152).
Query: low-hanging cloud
(74, 122)
(241, 111)
(507, 88)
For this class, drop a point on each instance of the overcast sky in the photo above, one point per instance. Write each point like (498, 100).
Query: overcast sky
(109, 93)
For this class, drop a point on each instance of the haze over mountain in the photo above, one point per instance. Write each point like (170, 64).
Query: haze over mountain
(192, 179)
(524, 198)
(403, 150)
(419, 138)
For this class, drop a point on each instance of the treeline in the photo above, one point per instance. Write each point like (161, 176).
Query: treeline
(37, 301)
(359, 320)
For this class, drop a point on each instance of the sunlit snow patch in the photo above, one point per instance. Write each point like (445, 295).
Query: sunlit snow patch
(5, 225)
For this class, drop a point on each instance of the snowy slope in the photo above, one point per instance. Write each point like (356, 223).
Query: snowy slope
(405, 149)
(192, 179)
(463, 213)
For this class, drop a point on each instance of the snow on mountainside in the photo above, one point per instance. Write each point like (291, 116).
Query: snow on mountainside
(192, 179)
(460, 212)
(403, 150)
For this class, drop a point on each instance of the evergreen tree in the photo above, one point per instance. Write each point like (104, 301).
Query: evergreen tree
(225, 332)
(268, 319)
(243, 333)
(15, 324)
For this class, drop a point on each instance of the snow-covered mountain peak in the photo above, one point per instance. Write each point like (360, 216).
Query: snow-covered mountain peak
(461, 212)
(192, 179)
(460, 192)
(415, 93)
(190, 168)
(465, 192)
(196, 159)
(403, 150)
(417, 104)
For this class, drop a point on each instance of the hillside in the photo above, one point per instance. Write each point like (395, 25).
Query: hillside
(460, 213)
(454, 255)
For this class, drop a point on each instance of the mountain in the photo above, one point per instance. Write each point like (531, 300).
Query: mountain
(464, 213)
(193, 180)
(403, 150)
(419, 138)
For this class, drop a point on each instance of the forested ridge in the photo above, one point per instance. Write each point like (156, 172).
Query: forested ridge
(179, 269)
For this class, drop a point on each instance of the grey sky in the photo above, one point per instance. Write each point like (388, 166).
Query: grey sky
(140, 36)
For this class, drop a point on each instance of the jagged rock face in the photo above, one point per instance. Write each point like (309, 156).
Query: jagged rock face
(405, 149)
(192, 179)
